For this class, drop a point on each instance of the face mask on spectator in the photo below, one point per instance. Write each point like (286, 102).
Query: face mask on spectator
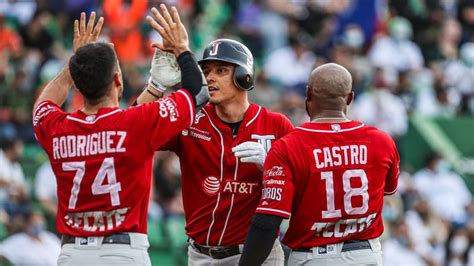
(442, 166)
(458, 245)
(354, 38)
(36, 229)
(467, 54)
(389, 213)
(400, 29)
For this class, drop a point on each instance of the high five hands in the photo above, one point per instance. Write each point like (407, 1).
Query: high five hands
(171, 29)
(86, 34)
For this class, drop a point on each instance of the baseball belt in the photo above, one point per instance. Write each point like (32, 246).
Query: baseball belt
(349, 245)
(123, 238)
(216, 252)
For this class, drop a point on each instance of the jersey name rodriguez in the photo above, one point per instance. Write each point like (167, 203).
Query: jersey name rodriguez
(101, 142)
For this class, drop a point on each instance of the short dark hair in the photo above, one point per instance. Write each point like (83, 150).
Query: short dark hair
(92, 69)
(7, 144)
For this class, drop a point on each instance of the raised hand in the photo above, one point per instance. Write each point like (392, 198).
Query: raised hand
(86, 34)
(171, 29)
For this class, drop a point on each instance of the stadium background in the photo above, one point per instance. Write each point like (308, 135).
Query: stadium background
(412, 62)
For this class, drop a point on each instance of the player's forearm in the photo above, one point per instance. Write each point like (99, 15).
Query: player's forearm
(148, 95)
(260, 239)
(193, 80)
(57, 89)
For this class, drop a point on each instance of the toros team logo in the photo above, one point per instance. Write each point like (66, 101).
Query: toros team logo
(211, 185)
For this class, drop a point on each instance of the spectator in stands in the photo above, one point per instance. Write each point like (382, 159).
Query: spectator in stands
(297, 57)
(429, 231)
(33, 245)
(167, 181)
(380, 107)
(400, 249)
(396, 51)
(445, 191)
(457, 247)
(123, 20)
(13, 189)
(447, 43)
(45, 189)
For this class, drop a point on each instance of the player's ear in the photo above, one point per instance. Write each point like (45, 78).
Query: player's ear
(309, 94)
(117, 79)
(350, 98)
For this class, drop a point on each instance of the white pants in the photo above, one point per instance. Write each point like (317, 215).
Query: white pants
(107, 254)
(195, 258)
(372, 256)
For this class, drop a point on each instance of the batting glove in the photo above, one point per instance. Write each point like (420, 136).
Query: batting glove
(164, 72)
(251, 152)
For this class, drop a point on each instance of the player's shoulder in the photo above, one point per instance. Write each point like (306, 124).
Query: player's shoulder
(377, 135)
(44, 109)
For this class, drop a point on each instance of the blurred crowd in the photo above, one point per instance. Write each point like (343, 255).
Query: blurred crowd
(405, 56)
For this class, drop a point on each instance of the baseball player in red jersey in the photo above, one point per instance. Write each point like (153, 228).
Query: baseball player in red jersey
(330, 175)
(222, 185)
(102, 155)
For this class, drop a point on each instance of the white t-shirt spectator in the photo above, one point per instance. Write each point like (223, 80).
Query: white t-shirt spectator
(381, 109)
(284, 67)
(446, 193)
(11, 173)
(20, 249)
(396, 254)
(401, 55)
(45, 183)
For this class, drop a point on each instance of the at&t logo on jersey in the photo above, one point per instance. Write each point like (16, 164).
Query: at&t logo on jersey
(236, 187)
(211, 185)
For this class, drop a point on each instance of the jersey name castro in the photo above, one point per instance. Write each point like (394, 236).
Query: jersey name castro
(331, 182)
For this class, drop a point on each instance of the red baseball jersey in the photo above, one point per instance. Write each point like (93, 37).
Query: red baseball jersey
(103, 162)
(331, 178)
(220, 193)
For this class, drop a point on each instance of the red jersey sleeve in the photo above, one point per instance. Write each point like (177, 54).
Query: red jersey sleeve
(172, 145)
(44, 117)
(168, 116)
(278, 189)
(391, 181)
(286, 126)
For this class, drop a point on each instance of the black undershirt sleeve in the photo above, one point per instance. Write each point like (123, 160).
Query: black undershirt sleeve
(192, 79)
(260, 239)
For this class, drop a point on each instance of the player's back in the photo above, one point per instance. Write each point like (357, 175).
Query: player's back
(103, 162)
(340, 173)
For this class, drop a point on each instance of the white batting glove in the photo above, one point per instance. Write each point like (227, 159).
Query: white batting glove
(251, 152)
(164, 72)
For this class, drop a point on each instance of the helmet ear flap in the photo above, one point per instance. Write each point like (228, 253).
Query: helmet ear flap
(243, 78)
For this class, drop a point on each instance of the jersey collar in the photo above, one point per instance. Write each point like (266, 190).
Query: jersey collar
(331, 127)
(249, 118)
(92, 118)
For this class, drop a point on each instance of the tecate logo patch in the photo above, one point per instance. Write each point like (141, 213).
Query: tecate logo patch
(211, 185)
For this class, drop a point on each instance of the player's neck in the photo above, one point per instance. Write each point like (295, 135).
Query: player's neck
(94, 108)
(232, 112)
(329, 116)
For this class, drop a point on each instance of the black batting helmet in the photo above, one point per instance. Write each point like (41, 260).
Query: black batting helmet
(234, 52)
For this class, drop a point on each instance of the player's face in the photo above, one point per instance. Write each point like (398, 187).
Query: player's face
(219, 76)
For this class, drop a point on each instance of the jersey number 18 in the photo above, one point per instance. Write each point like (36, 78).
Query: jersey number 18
(349, 192)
